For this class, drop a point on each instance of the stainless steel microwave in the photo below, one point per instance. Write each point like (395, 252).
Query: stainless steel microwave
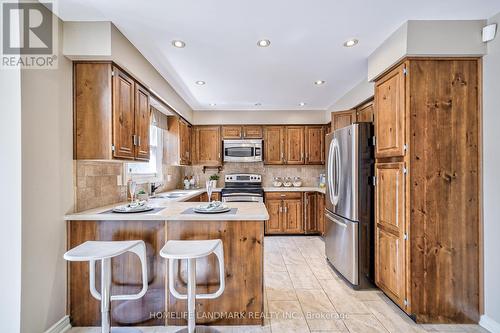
(242, 150)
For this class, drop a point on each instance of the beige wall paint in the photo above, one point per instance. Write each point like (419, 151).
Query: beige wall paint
(491, 181)
(10, 237)
(360, 93)
(427, 38)
(258, 117)
(89, 39)
(47, 191)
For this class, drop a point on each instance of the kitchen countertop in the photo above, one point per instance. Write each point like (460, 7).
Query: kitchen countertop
(295, 189)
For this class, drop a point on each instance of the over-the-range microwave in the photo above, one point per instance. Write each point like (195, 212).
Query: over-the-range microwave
(242, 150)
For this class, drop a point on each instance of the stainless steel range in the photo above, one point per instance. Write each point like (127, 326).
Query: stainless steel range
(243, 187)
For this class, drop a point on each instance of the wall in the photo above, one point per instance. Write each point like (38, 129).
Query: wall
(308, 173)
(491, 183)
(360, 93)
(47, 191)
(103, 41)
(10, 237)
(427, 38)
(258, 117)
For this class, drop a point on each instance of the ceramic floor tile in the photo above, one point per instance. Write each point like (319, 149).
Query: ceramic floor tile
(302, 277)
(292, 256)
(321, 269)
(319, 311)
(278, 286)
(393, 319)
(364, 323)
(273, 262)
(287, 317)
(341, 299)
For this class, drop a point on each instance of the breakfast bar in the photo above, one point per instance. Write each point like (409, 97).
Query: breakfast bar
(241, 231)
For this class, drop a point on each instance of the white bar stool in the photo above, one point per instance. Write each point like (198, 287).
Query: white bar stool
(92, 251)
(191, 250)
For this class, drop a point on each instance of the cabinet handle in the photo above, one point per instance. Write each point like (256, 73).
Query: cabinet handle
(281, 209)
(134, 140)
(139, 140)
(286, 209)
(301, 156)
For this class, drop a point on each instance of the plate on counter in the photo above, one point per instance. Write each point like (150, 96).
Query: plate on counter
(212, 208)
(140, 207)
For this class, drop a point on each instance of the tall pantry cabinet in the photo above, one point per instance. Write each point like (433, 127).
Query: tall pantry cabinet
(427, 215)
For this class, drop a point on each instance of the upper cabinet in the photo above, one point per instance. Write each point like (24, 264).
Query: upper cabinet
(236, 132)
(390, 113)
(343, 119)
(178, 142)
(294, 145)
(365, 113)
(111, 114)
(315, 144)
(207, 149)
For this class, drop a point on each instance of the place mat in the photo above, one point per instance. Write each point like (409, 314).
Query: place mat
(191, 211)
(154, 210)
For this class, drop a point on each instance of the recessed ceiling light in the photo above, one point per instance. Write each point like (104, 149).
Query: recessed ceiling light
(302, 103)
(319, 82)
(178, 43)
(200, 83)
(264, 43)
(351, 42)
(257, 104)
(213, 104)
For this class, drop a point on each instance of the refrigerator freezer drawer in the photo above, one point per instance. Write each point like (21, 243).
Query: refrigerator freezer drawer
(341, 242)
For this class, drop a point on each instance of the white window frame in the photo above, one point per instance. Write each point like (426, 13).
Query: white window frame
(142, 178)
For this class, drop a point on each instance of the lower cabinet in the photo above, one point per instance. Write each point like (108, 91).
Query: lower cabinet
(215, 196)
(321, 213)
(285, 213)
(311, 212)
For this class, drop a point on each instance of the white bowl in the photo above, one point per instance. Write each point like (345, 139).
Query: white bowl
(297, 184)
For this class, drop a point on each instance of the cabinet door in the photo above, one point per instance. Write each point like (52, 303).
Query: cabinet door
(293, 211)
(252, 132)
(231, 132)
(184, 143)
(275, 223)
(273, 145)
(390, 247)
(142, 123)
(208, 145)
(343, 119)
(390, 114)
(294, 145)
(311, 212)
(315, 145)
(321, 213)
(365, 113)
(123, 115)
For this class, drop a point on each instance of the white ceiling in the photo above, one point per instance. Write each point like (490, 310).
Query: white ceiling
(306, 43)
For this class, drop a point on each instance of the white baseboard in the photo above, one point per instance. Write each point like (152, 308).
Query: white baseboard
(61, 326)
(490, 324)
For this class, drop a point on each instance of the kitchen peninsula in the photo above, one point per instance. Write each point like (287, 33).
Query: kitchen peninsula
(241, 231)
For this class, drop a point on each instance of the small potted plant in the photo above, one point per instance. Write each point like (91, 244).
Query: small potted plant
(214, 178)
(142, 195)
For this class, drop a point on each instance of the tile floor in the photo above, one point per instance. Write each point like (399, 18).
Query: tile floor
(303, 295)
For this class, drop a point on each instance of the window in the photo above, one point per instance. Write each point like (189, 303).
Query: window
(149, 171)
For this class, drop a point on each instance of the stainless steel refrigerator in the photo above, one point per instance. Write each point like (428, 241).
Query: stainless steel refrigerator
(349, 203)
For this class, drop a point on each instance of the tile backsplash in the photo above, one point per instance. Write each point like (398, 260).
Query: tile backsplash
(308, 173)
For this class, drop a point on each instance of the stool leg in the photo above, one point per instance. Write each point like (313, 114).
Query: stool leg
(191, 295)
(105, 295)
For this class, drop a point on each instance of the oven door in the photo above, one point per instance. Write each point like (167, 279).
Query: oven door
(242, 150)
(241, 197)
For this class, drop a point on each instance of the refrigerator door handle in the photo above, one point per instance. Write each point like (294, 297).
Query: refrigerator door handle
(336, 173)
(330, 171)
(336, 221)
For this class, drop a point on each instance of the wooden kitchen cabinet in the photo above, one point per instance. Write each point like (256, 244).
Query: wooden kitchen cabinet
(321, 213)
(208, 145)
(179, 147)
(111, 114)
(216, 196)
(427, 195)
(274, 142)
(285, 213)
(343, 119)
(311, 213)
(390, 113)
(237, 132)
(315, 144)
(294, 145)
(365, 113)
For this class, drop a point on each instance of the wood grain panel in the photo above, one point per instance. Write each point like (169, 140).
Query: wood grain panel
(274, 151)
(244, 278)
(311, 213)
(365, 113)
(232, 132)
(294, 216)
(208, 145)
(321, 213)
(123, 115)
(315, 144)
(343, 119)
(294, 145)
(142, 123)
(445, 190)
(126, 274)
(252, 132)
(275, 223)
(92, 129)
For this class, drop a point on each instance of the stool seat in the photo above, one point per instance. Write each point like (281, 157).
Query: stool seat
(96, 250)
(189, 249)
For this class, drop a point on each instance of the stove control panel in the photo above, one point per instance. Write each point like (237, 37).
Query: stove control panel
(243, 178)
